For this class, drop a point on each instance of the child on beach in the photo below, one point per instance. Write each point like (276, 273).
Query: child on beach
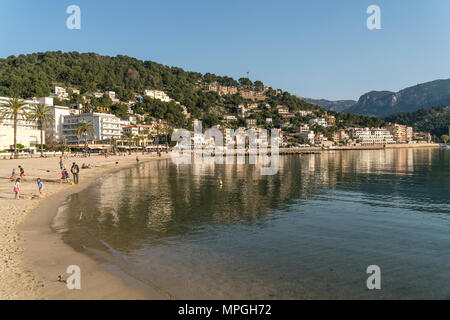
(22, 171)
(40, 186)
(17, 188)
(67, 176)
(63, 175)
(13, 174)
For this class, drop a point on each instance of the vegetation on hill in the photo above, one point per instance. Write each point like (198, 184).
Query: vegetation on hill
(34, 75)
(435, 120)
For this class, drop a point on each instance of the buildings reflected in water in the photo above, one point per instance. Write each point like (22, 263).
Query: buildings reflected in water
(158, 200)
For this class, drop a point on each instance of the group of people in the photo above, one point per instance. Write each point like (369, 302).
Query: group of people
(65, 175)
(17, 181)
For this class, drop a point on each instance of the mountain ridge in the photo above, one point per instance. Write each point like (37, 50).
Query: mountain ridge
(384, 103)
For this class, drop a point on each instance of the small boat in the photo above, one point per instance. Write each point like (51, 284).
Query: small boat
(445, 147)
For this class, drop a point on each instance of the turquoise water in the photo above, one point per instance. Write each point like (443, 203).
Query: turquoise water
(309, 232)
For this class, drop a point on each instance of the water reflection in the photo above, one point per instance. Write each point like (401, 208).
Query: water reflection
(315, 205)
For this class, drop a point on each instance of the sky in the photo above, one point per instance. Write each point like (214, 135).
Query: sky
(317, 49)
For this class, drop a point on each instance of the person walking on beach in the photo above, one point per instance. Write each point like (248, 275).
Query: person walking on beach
(40, 186)
(137, 159)
(61, 164)
(17, 188)
(75, 170)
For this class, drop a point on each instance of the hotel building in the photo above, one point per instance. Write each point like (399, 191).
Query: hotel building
(106, 126)
(368, 136)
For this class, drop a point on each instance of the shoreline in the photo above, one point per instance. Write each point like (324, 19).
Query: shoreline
(35, 255)
(32, 244)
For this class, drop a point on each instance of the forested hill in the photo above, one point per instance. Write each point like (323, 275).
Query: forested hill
(34, 75)
(434, 120)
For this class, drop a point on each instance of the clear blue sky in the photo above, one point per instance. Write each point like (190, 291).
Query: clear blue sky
(319, 49)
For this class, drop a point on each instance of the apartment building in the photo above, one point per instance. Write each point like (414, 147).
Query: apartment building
(253, 95)
(59, 112)
(341, 136)
(106, 126)
(371, 136)
(401, 133)
(157, 94)
(28, 132)
(304, 113)
(60, 93)
(308, 135)
(153, 129)
(221, 90)
(229, 118)
(303, 128)
(112, 96)
(319, 121)
(251, 122)
(282, 110)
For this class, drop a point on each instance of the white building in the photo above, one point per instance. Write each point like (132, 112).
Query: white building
(318, 121)
(28, 132)
(303, 128)
(59, 112)
(60, 93)
(304, 113)
(106, 126)
(367, 136)
(308, 135)
(156, 94)
(112, 96)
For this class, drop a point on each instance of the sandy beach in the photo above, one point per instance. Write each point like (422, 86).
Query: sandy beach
(31, 255)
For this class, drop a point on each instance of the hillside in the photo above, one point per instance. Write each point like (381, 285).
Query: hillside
(34, 75)
(384, 103)
(434, 120)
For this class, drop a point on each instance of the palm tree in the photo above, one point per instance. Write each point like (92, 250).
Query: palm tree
(167, 130)
(113, 142)
(84, 128)
(129, 136)
(137, 140)
(13, 109)
(42, 114)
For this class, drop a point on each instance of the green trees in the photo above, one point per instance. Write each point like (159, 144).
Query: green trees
(14, 110)
(84, 129)
(43, 115)
(435, 120)
(445, 138)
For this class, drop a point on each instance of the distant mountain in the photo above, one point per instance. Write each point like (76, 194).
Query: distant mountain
(435, 120)
(339, 105)
(384, 103)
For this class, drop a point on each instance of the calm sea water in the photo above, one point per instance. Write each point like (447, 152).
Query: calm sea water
(309, 232)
